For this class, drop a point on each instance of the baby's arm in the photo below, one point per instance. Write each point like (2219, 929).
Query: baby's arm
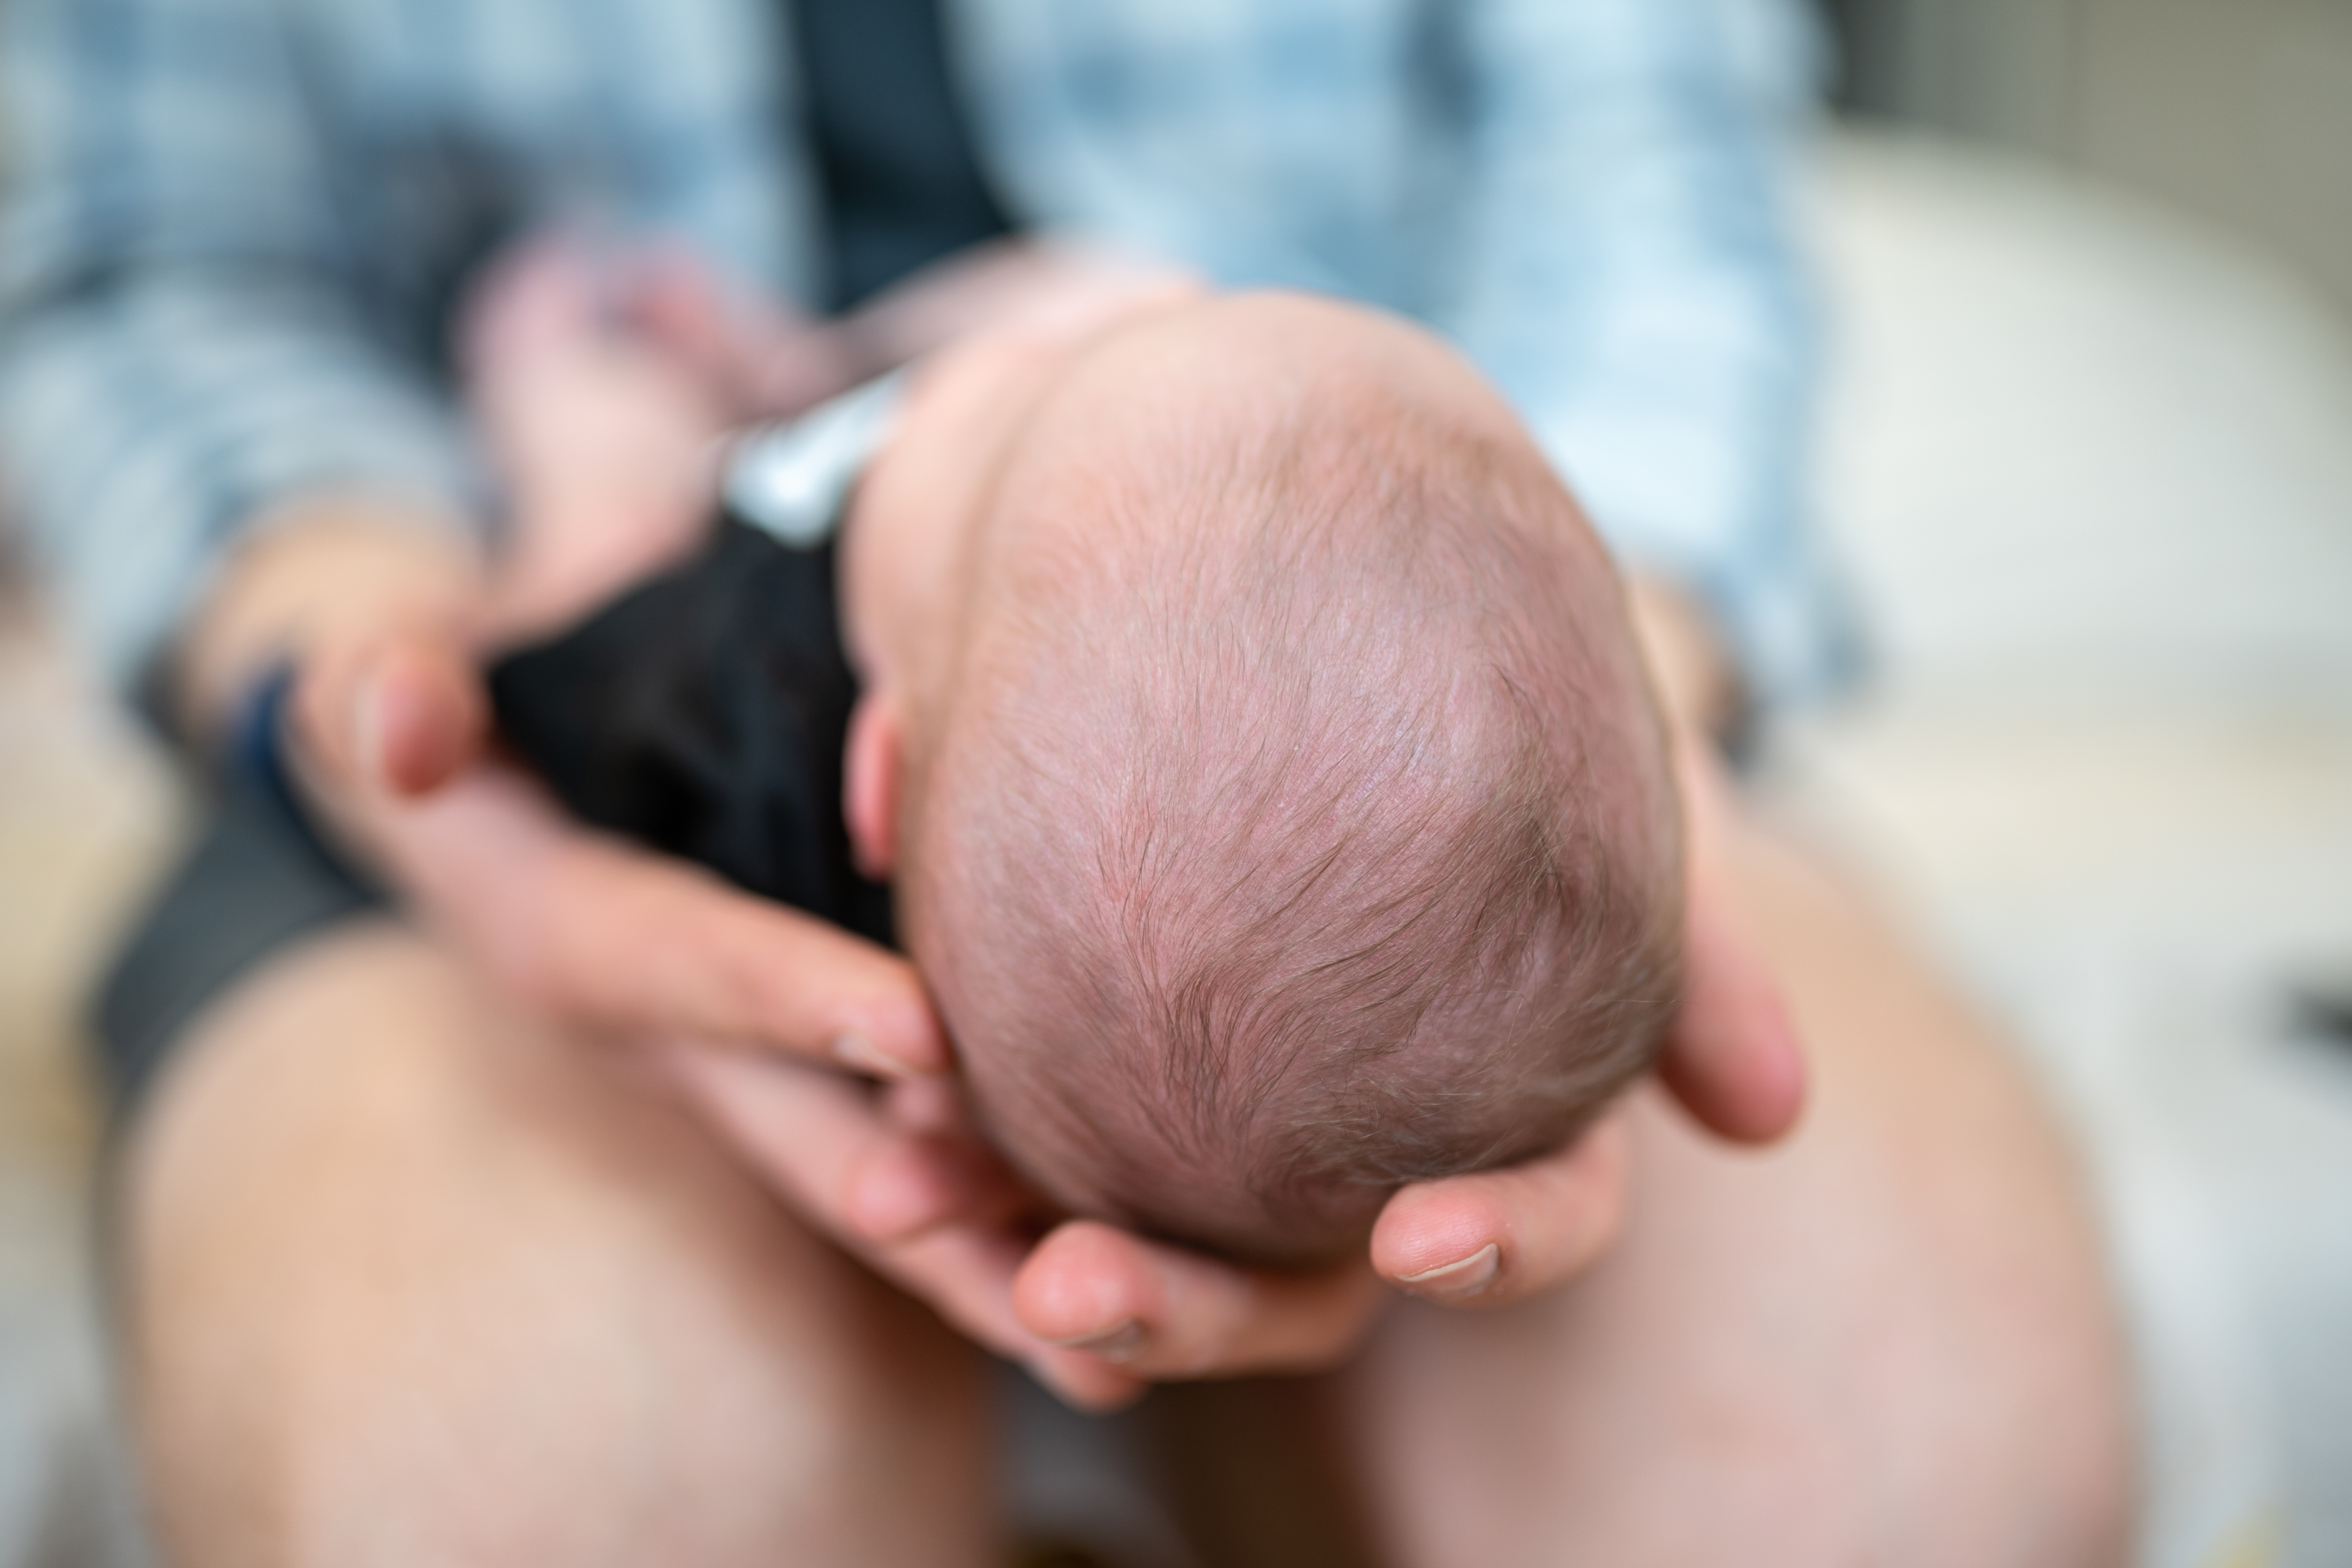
(603, 380)
(599, 436)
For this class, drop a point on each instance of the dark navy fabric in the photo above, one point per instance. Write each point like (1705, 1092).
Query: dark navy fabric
(256, 878)
(704, 713)
(900, 182)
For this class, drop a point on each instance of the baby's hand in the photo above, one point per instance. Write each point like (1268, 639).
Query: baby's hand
(594, 391)
(599, 443)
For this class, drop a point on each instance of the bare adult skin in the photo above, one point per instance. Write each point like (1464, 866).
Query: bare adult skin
(421, 1271)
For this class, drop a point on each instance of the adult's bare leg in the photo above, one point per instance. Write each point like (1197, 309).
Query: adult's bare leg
(1886, 1343)
(410, 1281)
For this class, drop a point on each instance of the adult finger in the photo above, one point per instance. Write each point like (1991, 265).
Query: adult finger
(1732, 1058)
(814, 1139)
(937, 1170)
(402, 711)
(967, 1274)
(628, 943)
(916, 1182)
(827, 1145)
(1500, 1236)
(1162, 1312)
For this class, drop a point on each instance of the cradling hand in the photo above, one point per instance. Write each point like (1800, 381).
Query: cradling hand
(1099, 1312)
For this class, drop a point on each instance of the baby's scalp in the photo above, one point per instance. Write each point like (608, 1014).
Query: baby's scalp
(1299, 824)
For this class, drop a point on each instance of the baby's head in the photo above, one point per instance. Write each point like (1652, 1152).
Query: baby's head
(1295, 822)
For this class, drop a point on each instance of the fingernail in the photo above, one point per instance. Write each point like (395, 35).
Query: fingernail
(1463, 1277)
(1117, 1342)
(858, 1054)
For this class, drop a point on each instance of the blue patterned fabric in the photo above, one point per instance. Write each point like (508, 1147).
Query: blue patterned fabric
(233, 227)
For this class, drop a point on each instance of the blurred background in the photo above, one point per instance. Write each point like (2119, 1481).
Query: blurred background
(2238, 111)
(2088, 461)
(2088, 464)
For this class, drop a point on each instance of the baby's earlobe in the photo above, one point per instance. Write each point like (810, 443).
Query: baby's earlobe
(869, 785)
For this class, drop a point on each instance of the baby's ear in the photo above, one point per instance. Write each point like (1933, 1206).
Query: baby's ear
(1731, 1056)
(869, 785)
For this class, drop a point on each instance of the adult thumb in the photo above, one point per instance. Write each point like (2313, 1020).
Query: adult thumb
(404, 713)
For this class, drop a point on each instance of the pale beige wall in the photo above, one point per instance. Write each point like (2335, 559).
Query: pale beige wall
(2239, 110)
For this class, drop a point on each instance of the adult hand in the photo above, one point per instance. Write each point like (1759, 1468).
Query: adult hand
(601, 436)
(1731, 1060)
(385, 610)
(1094, 1313)
(1482, 1240)
(631, 945)
(898, 1177)
(383, 614)
(1099, 1312)
(389, 733)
